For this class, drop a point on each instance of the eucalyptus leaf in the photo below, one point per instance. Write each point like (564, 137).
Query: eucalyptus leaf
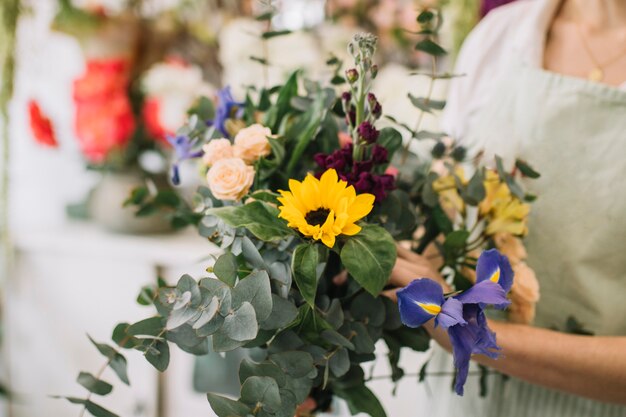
(117, 362)
(283, 313)
(430, 47)
(339, 363)
(225, 269)
(152, 326)
(254, 289)
(251, 254)
(248, 368)
(261, 390)
(93, 384)
(242, 324)
(159, 357)
(361, 400)
(337, 339)
(225, 407)
(296, 364)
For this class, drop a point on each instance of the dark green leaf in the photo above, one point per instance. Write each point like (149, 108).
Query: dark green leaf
(296, 364)
(390, 139)
(261, 390)
(306, 259)
(259, 218)
(137, 196)
(274, 34)
(148, 327)
(475, 192)
(225, 269)
(255, 289)
(337, 339)
(242, 324)
(339, 363)
(430, 47)
(225, 407)
(369, 257)
(526, 169)
(283, 313)
(456, 240)
(425, 16)
(93, 384)
(249, 368)
(361, 400)
(159, 355)
(425, 104)
(117, 362)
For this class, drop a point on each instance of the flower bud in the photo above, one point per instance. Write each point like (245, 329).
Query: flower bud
(459, 153)
(352, 75)
(367, 132)
(438, 150)
(374, 71)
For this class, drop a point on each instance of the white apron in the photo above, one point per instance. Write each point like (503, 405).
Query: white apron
(574, 133)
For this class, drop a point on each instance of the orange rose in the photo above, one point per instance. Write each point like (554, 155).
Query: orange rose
(251, 143)
(230, 178)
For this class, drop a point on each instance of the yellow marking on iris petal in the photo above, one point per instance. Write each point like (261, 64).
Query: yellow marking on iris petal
(430, 308)
(496, 276)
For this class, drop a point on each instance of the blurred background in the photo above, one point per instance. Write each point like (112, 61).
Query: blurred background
(91, 75)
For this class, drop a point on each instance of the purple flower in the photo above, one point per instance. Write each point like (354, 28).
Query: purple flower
(368, 132)
(183, 150)
(374, 105)
(462, 315)
(225, 105)
(359, 174)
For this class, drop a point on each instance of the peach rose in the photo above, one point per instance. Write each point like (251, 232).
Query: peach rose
(510, 246)
(251, 143)
(524, 294)
(215, 150)
(230, 178)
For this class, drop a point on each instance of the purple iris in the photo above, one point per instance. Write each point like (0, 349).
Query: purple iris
(463, 314)
(224, 111)
(183, 150)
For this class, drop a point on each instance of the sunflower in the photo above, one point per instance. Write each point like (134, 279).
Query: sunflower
(324, 209)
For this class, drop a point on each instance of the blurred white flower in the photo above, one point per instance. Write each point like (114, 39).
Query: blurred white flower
(171, 88)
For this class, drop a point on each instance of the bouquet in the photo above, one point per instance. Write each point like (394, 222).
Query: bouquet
(299, 190)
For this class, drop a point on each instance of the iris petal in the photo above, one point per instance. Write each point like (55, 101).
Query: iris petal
(494, 266)
(420, 301)
(451, 314)
(484, 292)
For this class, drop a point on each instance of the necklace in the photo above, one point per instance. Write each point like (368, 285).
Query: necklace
(597, 72)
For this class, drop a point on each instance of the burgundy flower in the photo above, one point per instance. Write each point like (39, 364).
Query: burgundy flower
(368, 132)
(380, 154)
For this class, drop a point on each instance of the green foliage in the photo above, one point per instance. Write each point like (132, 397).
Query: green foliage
(259, 218)
(369, 257)
(307, 265)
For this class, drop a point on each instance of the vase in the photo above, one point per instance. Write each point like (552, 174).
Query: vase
(106, 206)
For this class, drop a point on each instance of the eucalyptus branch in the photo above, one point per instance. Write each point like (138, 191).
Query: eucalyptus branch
(435, 374)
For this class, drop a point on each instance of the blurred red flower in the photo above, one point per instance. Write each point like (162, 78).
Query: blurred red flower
(104, 116)
(151, 116)
(41, 126)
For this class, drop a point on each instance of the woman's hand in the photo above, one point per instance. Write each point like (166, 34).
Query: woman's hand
(410, 266)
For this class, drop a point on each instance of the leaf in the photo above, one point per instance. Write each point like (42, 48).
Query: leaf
(475, 192)
(254, 289)
(274, 34)
(295, 363)
(93, 384)
(242, 324)
(248, 368)
(259, 218)
(305, 130)
(369, 257)
(456, 240)
(339, 363)
(283, 313)
(425, 104)
(361, 400)
(117, 362)
(304, 264)
(336, 339)
(425, 16)
(390, 139)
(159, 355)
(275, 114)
(152, 326)
(251, 253)
(137, 196)
(181, 316)
(261, 390)
(267, 196)
(430, 47)
(225, 407)
(526, 169)
(225, 268)
(208, 313)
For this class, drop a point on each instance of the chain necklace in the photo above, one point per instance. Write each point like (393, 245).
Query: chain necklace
(597, 72)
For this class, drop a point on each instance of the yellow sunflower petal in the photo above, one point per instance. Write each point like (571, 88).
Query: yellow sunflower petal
(351, 229)
(361, 207)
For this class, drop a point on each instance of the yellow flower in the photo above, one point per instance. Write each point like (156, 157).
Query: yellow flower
(504, 212)
(449, 197)
(324, 209)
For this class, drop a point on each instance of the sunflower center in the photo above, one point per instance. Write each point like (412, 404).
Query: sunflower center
(317, 217)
